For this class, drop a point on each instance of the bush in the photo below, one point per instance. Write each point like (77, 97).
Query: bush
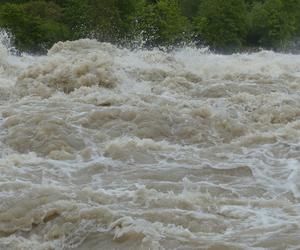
(272, 24)
(162, 23)
(77, 18)
(35, 25)
(222, 24)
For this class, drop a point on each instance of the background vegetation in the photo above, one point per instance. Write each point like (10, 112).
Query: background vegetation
(224, 25)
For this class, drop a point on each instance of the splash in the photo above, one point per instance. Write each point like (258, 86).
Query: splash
(4, 45)
(118, 149)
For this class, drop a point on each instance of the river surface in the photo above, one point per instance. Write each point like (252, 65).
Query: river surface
(106, 148)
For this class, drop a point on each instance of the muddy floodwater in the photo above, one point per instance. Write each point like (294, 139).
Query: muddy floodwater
(107, 148)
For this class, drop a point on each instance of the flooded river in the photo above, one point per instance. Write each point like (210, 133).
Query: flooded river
(107, 148)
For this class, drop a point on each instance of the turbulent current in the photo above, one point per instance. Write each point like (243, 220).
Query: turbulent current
(107, 148)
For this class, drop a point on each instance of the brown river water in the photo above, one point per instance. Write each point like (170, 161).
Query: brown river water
(107, 148)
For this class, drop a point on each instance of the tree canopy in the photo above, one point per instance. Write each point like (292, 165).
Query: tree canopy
(223, 25)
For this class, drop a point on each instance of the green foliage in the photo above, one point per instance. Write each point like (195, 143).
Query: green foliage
(105, 19)
(162, 23)
(272, 24)
(292, 8)
(222, 24)
(190, 8)
(25, 30)
(76, 16)
(35, 25)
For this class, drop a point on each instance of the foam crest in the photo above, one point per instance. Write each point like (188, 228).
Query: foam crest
(67, 67)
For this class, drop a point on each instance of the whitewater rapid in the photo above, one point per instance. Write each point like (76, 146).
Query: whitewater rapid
(107, 148)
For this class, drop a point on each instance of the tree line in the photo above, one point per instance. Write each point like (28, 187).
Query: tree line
(224, 25)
